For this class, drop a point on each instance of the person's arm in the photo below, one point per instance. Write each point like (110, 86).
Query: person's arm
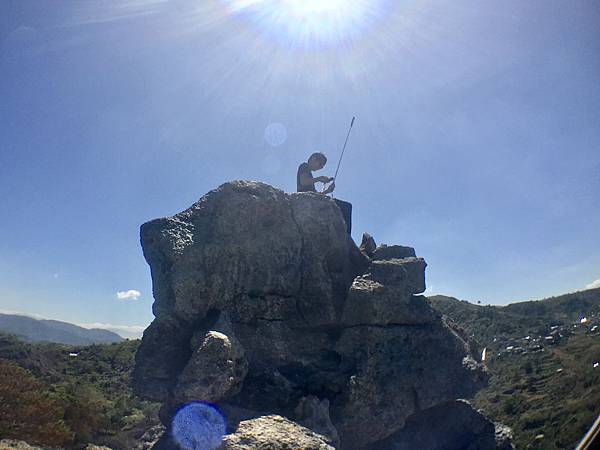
(307, 180)
(330, 188)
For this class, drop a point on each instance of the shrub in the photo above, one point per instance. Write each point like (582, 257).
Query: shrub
(27, 412)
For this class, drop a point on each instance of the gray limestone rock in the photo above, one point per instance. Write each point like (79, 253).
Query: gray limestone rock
(273, 432)
(249, 240)
(372, 303)
(266, 306)
(239, 238)
(392, 252)
(215, 370)
(367, 245)
(407, 273)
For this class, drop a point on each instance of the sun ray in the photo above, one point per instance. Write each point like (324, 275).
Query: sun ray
(310, 23)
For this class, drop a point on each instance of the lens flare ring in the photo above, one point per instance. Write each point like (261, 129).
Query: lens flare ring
(198, 426)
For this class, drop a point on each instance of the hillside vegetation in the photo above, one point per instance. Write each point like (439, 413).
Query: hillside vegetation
(542, 357)
(58, 395)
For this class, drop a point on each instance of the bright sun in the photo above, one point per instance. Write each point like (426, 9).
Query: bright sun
(310, 22)
(314, 6)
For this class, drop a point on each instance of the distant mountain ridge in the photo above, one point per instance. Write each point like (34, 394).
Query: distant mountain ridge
(36, 330)
(562, 307)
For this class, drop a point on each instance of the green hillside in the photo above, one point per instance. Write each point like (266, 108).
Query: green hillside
(541, 358)
(85, 395)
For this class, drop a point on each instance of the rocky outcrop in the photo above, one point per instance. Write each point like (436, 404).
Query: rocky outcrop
(265, 306)
(274, 433)
(367, 245)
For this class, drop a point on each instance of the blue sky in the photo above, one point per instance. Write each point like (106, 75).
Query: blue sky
(477, 138)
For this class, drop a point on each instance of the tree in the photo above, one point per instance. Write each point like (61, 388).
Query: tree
(27, 412)
(85, 409)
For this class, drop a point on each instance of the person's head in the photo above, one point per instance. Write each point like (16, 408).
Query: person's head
(317, 161)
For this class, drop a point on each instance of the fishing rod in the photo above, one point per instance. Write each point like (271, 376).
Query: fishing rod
(343, 149)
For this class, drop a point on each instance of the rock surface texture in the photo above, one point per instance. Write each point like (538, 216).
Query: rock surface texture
(9, 444)
(274, 433)
(265, 306)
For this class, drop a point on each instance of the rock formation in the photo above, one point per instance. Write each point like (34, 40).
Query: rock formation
(265, 307)
(273, 433)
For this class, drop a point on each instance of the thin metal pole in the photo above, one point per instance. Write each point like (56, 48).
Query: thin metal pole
(592, 437)
(343, 149)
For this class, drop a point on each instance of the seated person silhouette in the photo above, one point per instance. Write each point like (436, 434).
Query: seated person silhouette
(305, 182)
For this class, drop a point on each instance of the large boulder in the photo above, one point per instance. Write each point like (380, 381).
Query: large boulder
(265, 306)
(249, 240)
(215, 370)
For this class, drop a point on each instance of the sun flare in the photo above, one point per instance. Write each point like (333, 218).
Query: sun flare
(310, 22)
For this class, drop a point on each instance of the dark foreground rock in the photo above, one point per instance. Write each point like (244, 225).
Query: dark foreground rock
(448, 426)
(265, 306)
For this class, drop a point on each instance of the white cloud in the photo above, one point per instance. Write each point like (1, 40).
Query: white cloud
(593, 285)
(126, 331)
(131, 294)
